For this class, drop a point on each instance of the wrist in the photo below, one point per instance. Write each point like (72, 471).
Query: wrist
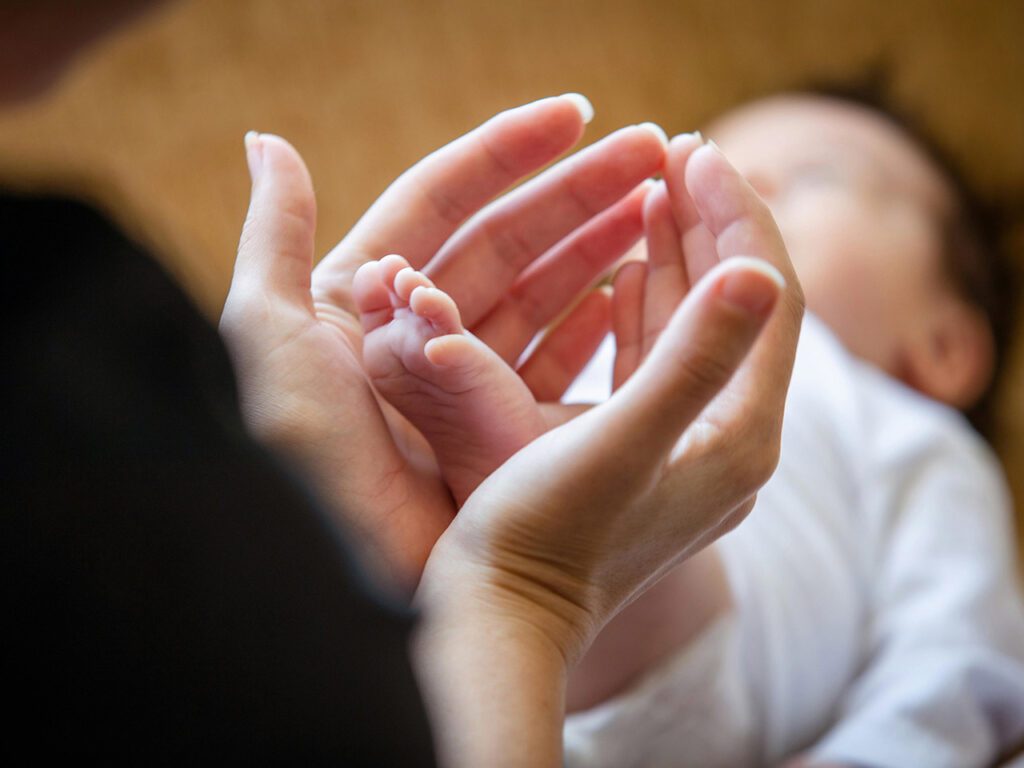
(464, 586)
(491, 672)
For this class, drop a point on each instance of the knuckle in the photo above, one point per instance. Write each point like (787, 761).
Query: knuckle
(246, 307)
(441, 199)
(529, 307)
(738, 515)
(759, 461)
(448, 207)
(510, 246)
(795, 302)
(704, 371)
(498, 158)
(302, 209)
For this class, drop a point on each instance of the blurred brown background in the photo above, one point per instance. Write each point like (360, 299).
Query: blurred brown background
(151, 124)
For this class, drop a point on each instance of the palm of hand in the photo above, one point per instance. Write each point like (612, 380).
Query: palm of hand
(385, 475)
(675, 458)
(297, 344)
(304, 392)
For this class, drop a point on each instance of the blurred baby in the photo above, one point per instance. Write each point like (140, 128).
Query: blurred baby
(867, 612)
(871, 614)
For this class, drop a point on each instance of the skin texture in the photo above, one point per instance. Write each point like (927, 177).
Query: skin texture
(475, 412)
(860, 207)
(583, 515)
(311, 400)
(506, 615)
(482, 604)
(466, 401)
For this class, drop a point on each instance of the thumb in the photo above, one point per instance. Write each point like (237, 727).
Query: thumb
(276, 247)
(704, 343)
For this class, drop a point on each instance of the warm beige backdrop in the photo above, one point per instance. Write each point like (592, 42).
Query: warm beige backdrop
(153, 122)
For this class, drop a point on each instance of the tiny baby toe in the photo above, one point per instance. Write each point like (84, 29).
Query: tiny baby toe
(437, 307)
(371, 296)
(455, 350)
(408, 280)
(390, 266)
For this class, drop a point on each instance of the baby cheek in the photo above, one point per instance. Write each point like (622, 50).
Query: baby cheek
(858, 305)
(851, 280)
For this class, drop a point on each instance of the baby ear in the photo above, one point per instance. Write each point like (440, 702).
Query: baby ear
(955, 362)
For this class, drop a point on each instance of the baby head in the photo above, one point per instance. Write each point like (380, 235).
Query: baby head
(883, 240)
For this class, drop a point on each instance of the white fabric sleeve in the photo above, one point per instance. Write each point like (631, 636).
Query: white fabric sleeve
(694, 709)
(944, 681)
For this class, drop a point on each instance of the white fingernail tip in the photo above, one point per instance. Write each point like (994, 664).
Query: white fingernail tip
(657, 130)
(688, 136)
(760, 266)
(582, 103)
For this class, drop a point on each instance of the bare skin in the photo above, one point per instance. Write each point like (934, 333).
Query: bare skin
(298, 350)
(859, 207)
(293, 337)
(525, 575)
(474, 410)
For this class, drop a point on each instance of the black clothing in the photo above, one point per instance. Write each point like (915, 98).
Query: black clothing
(169, 592)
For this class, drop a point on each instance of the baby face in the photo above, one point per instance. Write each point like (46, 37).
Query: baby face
(860, 207)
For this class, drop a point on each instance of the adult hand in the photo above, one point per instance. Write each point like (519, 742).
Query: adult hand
(512, 266)
(681, 248)
(703, 214)
(583, 519)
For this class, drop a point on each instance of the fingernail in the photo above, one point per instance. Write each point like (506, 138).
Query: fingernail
(657, 130)
(751, 284)
(711, 143)
(582, 103)
(689, 137)
(254, 154)
(694, 140)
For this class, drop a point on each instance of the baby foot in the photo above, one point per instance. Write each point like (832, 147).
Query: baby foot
(469, 404)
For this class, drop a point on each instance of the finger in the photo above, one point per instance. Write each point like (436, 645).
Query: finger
(743, 226)
(550, 284)
(567, 349)
(667, 282)
(699, 252)
(733, 212)
(482, 260)
(428, 202)
(276, 248)
(627, 320)
(701, 348)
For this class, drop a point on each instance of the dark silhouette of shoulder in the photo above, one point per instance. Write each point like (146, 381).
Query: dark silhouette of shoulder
(171, 592)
